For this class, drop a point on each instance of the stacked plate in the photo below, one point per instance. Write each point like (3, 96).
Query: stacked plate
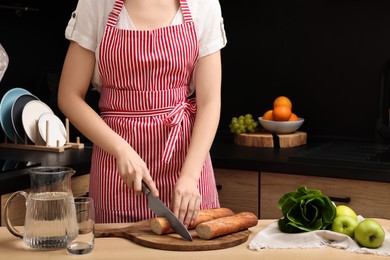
(23, 115)
(3, 61)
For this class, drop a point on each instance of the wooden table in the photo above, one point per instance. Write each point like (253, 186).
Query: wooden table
(117, 248)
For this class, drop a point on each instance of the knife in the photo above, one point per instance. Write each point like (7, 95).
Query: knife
(158, 207)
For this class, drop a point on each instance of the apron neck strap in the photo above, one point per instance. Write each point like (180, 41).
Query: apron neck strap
(114, 15)
(186, 11)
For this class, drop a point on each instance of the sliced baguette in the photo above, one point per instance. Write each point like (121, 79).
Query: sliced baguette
(226, 225)
(161, 226)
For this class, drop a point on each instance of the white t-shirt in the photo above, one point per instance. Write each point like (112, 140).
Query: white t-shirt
(87, 23)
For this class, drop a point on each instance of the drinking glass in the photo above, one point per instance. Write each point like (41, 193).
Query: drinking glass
(85, 213)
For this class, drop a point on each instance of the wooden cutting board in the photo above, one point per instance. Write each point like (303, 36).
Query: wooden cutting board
(266, 139)
(141, 234)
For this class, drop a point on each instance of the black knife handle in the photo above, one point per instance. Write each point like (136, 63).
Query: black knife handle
(145, 188)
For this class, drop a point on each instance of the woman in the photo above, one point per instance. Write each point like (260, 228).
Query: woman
(147, 58)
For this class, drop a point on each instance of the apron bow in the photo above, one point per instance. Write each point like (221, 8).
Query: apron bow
(173, 120)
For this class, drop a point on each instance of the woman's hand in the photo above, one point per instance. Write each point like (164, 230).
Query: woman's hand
(133, 171)
(186, 200)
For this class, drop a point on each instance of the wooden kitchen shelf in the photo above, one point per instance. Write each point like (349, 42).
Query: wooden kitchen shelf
(28, 146)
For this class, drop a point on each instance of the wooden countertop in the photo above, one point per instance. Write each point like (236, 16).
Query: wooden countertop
(118, 248)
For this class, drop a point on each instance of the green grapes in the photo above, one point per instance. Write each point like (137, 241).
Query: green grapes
(243, 124)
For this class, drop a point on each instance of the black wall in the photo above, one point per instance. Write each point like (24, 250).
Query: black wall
(34, 41)
(325, 55)
(36, 45)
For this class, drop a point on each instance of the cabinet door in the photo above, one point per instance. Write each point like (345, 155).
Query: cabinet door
(238, 190)
(80, 185)
(369, 199)
(17, 210)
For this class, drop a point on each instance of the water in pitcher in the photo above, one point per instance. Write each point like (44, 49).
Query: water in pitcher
(50, 220)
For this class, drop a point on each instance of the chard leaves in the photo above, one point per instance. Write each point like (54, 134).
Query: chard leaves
(305, 210)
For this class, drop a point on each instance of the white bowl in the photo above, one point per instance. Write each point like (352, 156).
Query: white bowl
(281, 127)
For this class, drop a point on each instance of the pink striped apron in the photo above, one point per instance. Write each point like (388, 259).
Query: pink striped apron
(144, 98)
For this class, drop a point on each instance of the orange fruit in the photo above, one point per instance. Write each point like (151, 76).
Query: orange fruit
(281, 113)
(282, 101)
(293, 117)
(268, 115)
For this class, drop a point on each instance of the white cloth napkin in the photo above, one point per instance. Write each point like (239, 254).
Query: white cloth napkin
(272, 237)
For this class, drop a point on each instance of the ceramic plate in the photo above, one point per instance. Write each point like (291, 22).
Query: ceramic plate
(30, 117)
(4, 60)
(54, 132)
(5, 110)
(16, 114)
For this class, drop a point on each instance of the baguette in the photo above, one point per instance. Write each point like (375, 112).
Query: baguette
(161, 226)
(226, 225)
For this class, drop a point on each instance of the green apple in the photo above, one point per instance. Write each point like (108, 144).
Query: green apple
(369, 233)
(345, 225)
(343, 210)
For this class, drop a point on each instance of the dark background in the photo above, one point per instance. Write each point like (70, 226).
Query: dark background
(326, 56)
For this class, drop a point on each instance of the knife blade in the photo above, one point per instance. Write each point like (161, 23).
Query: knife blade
(158, 207)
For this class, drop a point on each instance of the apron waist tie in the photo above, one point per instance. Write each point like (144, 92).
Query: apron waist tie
(173, 120)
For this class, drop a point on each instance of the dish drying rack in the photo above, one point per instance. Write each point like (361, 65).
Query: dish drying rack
(27, 146)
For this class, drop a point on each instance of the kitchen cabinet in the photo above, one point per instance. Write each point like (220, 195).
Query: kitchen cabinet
(17, 212)
(367, 198)
(80, 185)
(238, 189)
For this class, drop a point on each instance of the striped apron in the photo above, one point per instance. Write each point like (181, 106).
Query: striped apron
(144, 98)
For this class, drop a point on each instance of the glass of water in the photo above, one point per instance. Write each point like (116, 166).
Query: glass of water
(85, 212)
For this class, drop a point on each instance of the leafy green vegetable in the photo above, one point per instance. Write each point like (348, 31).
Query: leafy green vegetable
(305, 210)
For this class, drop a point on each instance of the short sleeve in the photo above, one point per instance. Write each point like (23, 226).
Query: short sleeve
(86, 27)
(85, 24)
(212, 35)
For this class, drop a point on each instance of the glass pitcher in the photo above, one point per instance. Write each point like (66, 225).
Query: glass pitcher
(50, 220)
